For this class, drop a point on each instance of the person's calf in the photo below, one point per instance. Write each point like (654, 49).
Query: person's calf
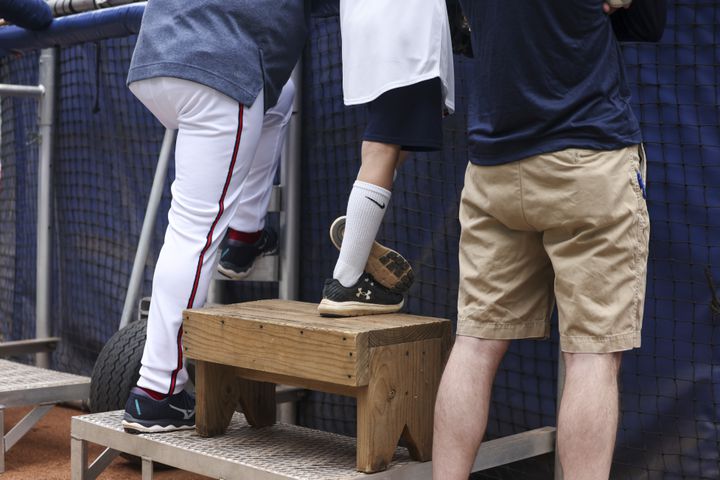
(587, 421)
(462, 405)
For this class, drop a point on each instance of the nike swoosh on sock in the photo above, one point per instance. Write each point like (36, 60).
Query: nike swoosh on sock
(381, 205)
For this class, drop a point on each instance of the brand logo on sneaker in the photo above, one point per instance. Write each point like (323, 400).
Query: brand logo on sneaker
(381, 205)
(361, 293)
(187, 414)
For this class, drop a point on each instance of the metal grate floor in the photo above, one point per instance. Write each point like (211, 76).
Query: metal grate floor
(17, 376)
(283, 451)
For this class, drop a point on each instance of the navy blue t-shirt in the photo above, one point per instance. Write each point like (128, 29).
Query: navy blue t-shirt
(549, 75)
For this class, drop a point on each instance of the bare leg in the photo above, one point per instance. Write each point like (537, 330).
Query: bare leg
(463, 401)
(379, 161)
(588, 417)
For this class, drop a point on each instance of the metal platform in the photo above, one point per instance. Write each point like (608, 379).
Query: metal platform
(23, 385)
(281, 452)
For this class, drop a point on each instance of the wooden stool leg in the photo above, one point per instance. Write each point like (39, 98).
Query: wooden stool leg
(377, 433)
(427, 364)
(217, 393)
(398, 401)
(257, 400)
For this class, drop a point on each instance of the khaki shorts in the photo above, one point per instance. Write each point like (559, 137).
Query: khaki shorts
(569, 226)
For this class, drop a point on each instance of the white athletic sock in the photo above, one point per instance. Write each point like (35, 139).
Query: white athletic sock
(366, 208)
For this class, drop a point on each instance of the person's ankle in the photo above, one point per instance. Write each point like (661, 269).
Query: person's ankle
(244, 237)
(155, 395)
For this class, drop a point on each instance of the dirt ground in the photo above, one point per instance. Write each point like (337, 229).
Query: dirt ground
(44, 453)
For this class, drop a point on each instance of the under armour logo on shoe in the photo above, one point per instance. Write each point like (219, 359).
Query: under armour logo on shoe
(360, 293)
(187, 414)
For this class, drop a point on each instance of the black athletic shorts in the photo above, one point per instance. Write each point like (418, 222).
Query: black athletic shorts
(408, 116)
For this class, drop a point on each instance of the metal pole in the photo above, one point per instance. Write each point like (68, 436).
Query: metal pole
(7, 90)
(560, 388)
(290, 215)
(138, 269)
(46, 131)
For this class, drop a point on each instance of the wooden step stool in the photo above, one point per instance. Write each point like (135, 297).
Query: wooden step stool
(390, 363)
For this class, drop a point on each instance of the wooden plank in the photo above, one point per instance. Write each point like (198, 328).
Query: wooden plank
(326, 356)
(304, 314)
(380, 331)
(408, 333)
(289, 338)
(346, 390)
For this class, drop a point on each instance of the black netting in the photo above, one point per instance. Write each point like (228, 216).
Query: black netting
(105, 152)
(18, 202)
(670, 387)
(670, 424)
(105, 155)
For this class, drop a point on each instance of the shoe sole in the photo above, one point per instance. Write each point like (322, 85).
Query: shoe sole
(235, 275)
(329, 308)
(386, 265)
(136, 428)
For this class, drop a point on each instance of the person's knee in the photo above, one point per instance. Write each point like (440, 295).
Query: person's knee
(592, 365)
(377, 151)
(378, 163)
(487, 349)
(284, 105)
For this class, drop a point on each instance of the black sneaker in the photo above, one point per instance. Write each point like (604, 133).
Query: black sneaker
(386, 265)
(238, 258)
(144, 414)
(366, 297)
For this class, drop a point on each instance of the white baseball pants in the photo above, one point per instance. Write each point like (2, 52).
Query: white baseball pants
(225, 160)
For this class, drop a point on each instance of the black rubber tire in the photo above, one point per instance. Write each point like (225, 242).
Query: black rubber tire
(117, 368)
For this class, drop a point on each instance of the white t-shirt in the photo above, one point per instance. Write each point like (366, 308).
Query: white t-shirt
(389, 44)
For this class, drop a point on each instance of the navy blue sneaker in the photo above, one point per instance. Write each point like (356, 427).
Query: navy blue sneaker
(144, 414)
(366, 297)
(238, 258)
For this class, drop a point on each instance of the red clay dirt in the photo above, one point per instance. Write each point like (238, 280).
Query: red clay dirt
(44, 453)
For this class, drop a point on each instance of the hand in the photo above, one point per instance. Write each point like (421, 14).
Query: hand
(609, 9)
